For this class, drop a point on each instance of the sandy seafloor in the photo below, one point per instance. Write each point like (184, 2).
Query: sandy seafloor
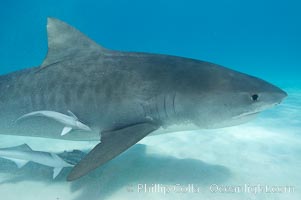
(264, 152)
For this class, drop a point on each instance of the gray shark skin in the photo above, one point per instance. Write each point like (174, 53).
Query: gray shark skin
(125, 96)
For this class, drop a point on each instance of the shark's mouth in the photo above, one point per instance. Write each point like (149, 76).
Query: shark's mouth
(234, 121)
(248, 114)
(255, 112)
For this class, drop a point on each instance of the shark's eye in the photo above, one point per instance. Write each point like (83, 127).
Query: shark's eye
(255, 97)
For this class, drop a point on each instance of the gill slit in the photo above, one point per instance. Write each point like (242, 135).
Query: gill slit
(157, 109)
(173, 103)
(164, 105)
(144, 111)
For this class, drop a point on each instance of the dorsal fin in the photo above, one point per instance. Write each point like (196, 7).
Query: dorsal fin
(65, 42)
(25, 147)
(72, 114)
(22, 147)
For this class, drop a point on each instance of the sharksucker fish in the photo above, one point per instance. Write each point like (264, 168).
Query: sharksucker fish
(23, 154)
(125, 96)
(70, 122)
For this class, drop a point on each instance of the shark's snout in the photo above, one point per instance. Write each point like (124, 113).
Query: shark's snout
(283, 95)
(279, 96)
(272, 94)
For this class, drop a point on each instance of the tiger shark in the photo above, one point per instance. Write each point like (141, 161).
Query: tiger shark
(125, 96)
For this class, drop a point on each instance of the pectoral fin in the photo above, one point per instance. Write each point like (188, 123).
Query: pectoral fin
(56, 171)
(112, 144)
(66, 130)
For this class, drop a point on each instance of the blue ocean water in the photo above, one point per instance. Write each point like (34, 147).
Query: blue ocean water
(261, 38)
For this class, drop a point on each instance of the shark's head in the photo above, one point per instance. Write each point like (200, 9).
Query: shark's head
(225, 97)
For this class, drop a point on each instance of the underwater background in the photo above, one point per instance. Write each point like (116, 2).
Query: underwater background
(260, 38)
